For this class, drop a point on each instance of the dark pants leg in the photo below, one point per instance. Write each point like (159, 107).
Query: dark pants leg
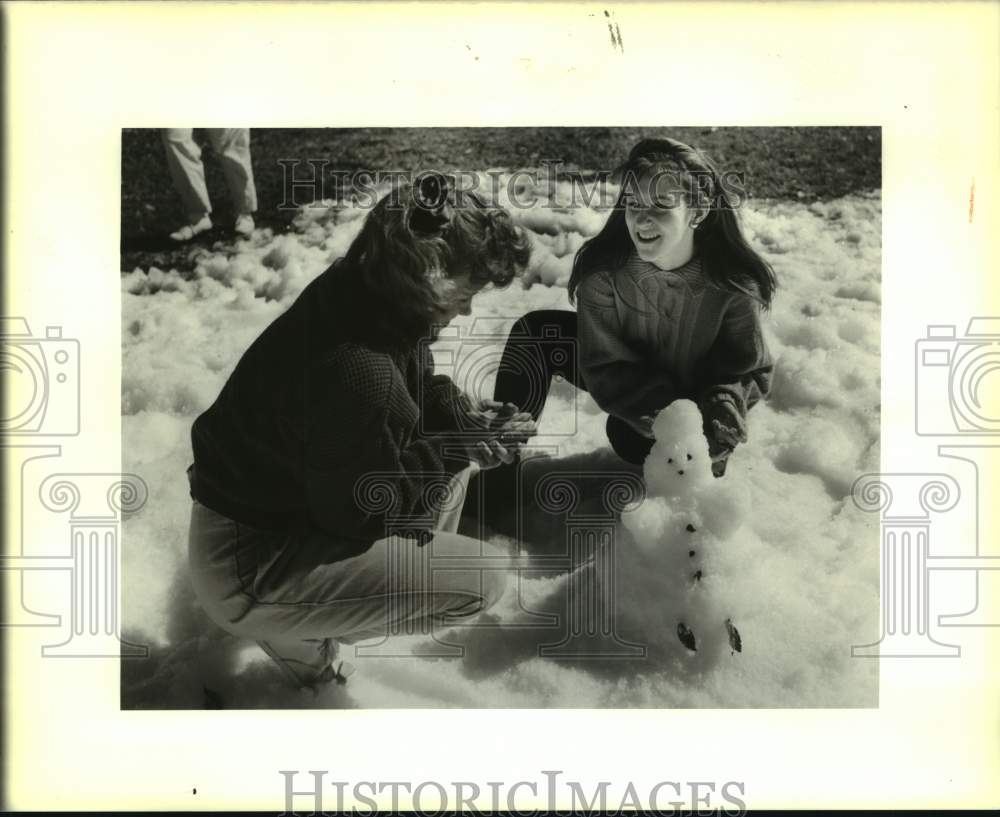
(541, 345)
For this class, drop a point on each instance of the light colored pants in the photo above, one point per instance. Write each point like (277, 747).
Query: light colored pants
(232, 145)
(269, 586)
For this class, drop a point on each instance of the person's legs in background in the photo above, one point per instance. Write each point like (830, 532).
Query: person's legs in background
(232, 146)
(188, 175)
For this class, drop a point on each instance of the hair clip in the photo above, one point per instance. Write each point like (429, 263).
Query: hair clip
(430, 196)
(432, 191)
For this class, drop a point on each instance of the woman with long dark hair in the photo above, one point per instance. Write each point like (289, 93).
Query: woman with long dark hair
(320, 469)
(668, 296)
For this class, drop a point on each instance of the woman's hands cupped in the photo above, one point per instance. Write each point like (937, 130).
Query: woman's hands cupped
(500, 430)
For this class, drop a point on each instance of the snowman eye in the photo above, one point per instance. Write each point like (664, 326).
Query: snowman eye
(670, 461)
(689, 457)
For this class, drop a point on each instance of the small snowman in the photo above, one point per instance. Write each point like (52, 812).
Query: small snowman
(679, 541)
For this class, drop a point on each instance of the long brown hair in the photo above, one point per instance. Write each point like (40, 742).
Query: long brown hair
(728, 261)
(415, 234)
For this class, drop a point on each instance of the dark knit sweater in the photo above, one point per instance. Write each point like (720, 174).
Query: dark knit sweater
(649, 337)
(310, 411)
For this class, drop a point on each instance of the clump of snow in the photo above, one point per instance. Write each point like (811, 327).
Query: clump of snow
(678, 465)
(796, 562)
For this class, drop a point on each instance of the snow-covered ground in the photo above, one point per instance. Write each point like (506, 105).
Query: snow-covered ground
(807, 558)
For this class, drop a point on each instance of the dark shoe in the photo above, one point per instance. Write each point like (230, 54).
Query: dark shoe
(213, 700)
(308, 665)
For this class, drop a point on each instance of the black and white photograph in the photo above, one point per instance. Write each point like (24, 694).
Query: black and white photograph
(523, 417)
(499, 407)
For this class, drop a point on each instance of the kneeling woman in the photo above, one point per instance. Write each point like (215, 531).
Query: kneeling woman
(285, 547)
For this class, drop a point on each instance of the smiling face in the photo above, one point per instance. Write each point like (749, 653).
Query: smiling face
(658, 219)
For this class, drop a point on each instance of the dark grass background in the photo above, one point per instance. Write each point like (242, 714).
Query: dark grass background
(803, 164)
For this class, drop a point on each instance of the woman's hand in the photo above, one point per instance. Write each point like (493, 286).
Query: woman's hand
(495, 433)
(725, 427)
(500, 445)
(727, 436)
(493, 414)
(490, 454)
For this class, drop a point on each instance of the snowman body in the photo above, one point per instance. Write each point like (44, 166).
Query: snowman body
(676, 548)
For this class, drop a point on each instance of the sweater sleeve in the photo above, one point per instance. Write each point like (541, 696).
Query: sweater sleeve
(364, 471)
(739, 366)
(620, 379)
(443, 405)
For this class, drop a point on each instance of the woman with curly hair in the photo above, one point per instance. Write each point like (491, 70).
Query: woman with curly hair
(333, 431)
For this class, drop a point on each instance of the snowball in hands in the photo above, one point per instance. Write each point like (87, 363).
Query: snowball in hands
(677, 540)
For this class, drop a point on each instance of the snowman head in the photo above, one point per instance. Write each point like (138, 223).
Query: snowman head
(678, 463)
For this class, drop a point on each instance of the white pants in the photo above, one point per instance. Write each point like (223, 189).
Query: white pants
(232, 146)
(264, 585)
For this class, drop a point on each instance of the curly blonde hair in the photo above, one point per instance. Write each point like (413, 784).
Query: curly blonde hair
(415, 235)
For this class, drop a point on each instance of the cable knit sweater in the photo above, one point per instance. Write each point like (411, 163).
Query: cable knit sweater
(307, 413)
(649, 337)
